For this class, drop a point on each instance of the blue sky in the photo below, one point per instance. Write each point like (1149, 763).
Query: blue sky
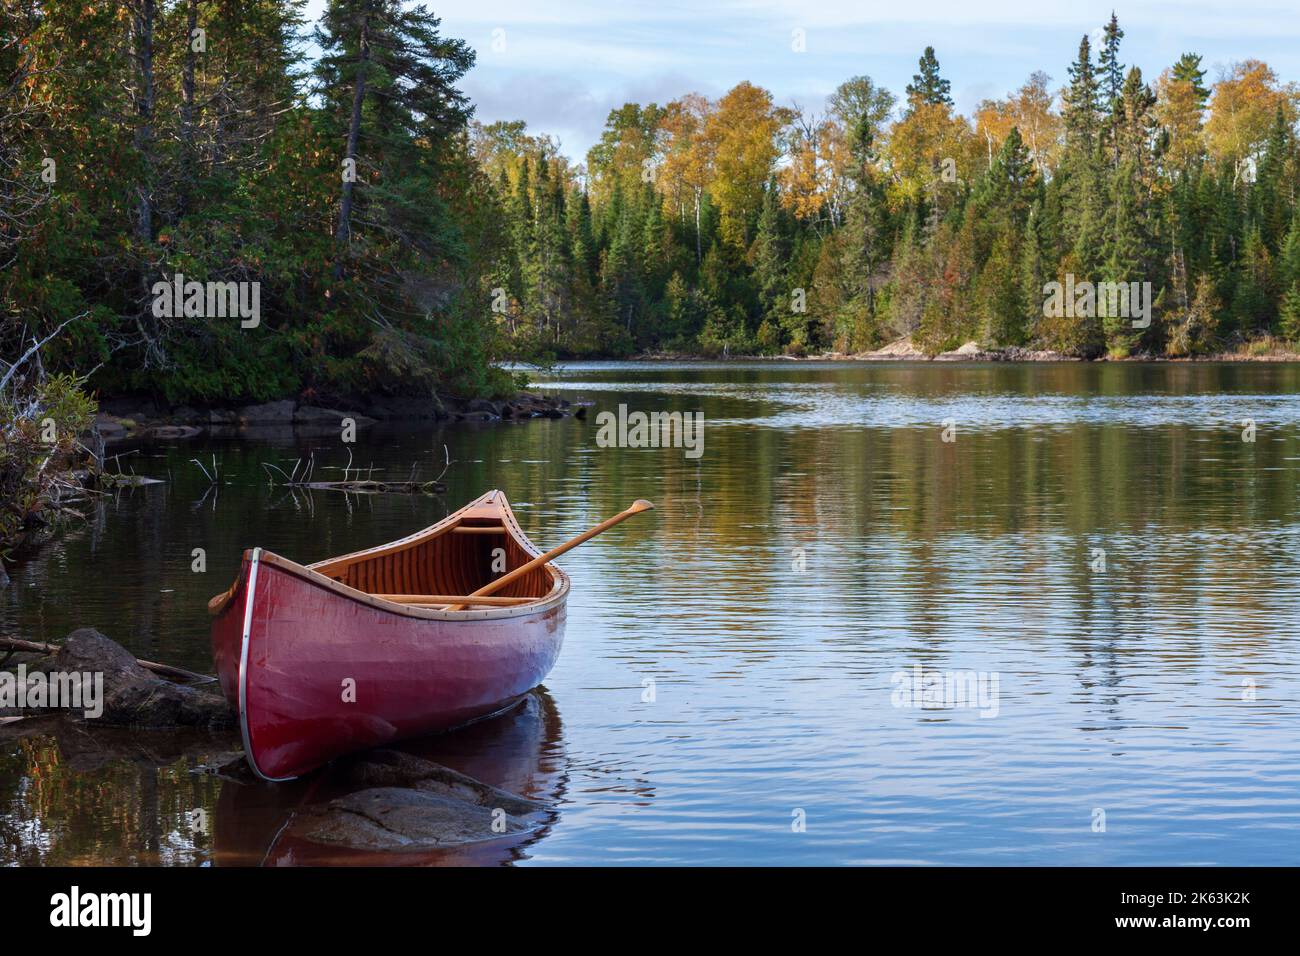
(561, 65)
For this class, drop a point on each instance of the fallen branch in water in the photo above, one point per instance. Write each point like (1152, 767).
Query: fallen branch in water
(166, 670)
(367, 485)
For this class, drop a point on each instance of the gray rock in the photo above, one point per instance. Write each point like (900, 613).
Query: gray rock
(391, 818)
(108, 426)
(412, 803)
(312, 415)
(396, 408)
(271, 413)
(395, 768)
(173, 431)
(135, 696)
(483, 405)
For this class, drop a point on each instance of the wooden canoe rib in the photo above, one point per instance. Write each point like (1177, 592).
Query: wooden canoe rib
(360, 650)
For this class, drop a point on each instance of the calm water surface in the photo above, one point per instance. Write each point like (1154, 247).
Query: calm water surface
(1099, 538)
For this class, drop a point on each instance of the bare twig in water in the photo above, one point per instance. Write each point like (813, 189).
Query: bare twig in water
(349, 483)
(288, 477)
(446, 463)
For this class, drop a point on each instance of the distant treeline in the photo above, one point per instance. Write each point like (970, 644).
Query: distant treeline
(400, 246)
(744, 226)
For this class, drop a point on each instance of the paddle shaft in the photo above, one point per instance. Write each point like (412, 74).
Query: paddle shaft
(637, 507)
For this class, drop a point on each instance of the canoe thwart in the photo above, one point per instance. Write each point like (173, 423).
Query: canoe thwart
(453, 599)
(635, 508)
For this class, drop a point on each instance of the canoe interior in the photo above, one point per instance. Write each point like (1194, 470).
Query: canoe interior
(454, 557)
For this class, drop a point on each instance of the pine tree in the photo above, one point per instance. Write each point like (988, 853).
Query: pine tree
(928, 87)
(1081, 181)
(863, 246)
(1129, 240)
(1032, 276)
(999, 207)
(387, 77)
(1188, 70)
(1271, 196)
(1197, 332)
(1253, 302)
(582, 241)
(769, 256)
(548, 269)
(1288, 265)
(1289, 315)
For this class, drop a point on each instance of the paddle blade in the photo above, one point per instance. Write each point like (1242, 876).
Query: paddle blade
(640, 505)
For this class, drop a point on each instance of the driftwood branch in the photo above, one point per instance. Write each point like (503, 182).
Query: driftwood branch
(166, 670)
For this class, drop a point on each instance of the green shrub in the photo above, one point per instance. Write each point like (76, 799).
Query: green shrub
(39, 429)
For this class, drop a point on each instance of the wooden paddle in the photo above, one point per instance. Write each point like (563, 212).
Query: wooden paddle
(635, 508)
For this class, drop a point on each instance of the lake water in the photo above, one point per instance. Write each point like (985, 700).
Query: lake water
(1109, 554)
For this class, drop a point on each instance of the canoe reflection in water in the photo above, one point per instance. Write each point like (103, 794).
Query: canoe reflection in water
(315, 821)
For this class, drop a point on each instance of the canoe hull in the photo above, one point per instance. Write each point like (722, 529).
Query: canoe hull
(316, 674)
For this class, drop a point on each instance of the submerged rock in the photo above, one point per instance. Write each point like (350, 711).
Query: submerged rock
(412, 803)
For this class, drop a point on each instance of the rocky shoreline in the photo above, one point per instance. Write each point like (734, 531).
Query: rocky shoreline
(120, 419)
(905, 351)
(127, 421)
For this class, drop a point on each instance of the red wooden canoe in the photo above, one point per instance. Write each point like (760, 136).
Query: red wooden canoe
(358, 651)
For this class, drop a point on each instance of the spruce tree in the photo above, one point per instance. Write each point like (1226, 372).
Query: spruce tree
(1112, 70)
(1081, 105)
